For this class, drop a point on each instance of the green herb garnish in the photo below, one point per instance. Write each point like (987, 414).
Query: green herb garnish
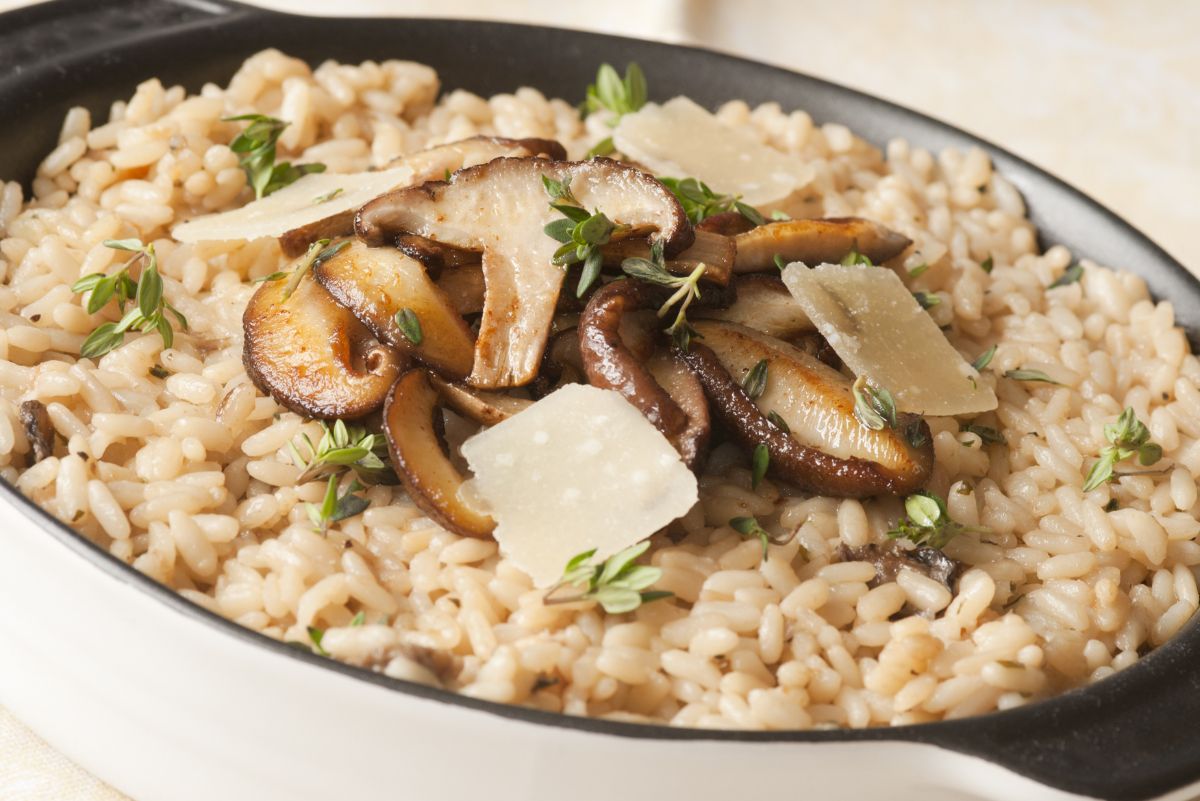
(619, 96)
(340, 446)
(918, 271)
(700, 202)
(255, 147)
(581, 233)
(874, 406)
(278, 275)
(1070, 276)
(780, 262)
(987, 264)
(328, 196)
(780, 216)
(927, 300)
(410, 325)
(984, 359)
(315, 635)
(1127, 437)
(986, 434)
(760, 460)
(336, 507)
(927, 522)
(158, 371)
(358, 620)
(617, 584)
(1021, 374)
(755, 379)
(317, 254)
(856, 259)
(750, 527)
(149, 312)
(774, 419)
(687, 289)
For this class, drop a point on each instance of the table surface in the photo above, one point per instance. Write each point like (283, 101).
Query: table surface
(1100, 92)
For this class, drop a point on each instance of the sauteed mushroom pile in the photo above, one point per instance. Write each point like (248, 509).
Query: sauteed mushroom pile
(468, 293)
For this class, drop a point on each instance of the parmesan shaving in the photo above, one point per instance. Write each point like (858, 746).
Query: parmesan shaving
(880, 331)
(580, 469)
(681, 139)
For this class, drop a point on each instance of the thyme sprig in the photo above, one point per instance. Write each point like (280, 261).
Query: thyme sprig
(149, 313)
(874, 406)
(927, 522)
(255, 147)
(317, 254)
(336, 506)
(340, 446)
(701, 202)
(617, 584)
(1127, 437)
(581, 233)
(616, 95)
(654, 271)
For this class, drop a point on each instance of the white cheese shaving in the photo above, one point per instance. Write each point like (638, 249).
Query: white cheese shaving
(680, 139)
(580, 469)
(308, 200)
(879, 330)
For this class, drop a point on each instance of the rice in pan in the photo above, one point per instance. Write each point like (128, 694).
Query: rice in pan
(173, 461)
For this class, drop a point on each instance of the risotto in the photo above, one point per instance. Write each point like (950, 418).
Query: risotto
(982, 578)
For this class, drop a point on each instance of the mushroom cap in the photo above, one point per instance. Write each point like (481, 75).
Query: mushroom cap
(822, 241)
(501, 209)
(312, 355)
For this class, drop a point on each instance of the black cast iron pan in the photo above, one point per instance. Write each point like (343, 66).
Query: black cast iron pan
(1130, 736)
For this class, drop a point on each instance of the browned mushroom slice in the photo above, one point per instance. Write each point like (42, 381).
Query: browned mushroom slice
(727, 223)
(825, 449)
(436, 256)
(312, 355)
(464, 287)
(429, 477)
(891, 557)
(38, 430)
(825, 241)
(617, 354)
(716, 252)
(426, 165)
(501, 208)
(376, 283)
(484, 407)
(763, 303)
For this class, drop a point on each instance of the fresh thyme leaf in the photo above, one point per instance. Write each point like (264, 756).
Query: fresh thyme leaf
(591, 272)
(755, 379)
(984, 359)
(611, 93)
(687, 289)
(328, 196)
(987, 264)
(315, 635)
(750, 527)
(255, 147)
(927, 300)
(617, 584)
(447, 176)
(340, 446)
(336, 507)
(1070, 276)
(329, 252)
(874, 406)
(927, 522)
(780, 216)
(581, 233)
(749, 212)
(774, 419)
(1112, 505)
(278, 275)
(358, 620)
(760, 460)
(158, 371)
(916, 434)
(1127, 437)
(149, 313)
(780, 262)
(855, 258)
(918, 271)
(1021, 374)
(987, 434)
(410, 325)
(700, 202)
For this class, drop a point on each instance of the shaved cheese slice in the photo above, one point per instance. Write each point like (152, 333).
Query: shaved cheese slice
(310, 199)
(880, 331)
(681, 139)
(580, 469)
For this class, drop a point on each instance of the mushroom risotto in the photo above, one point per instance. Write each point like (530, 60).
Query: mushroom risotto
(629, 410)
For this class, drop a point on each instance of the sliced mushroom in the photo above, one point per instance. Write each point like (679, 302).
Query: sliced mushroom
(484, 407)
(613, 352)
(426, 165)
(429, 477)
(38, 430)
(891, 557)
(561, 364)
(312, 355)
(376, 283)
(716, 252)
(814, 242)
(827, 450)
(765, 304)
(501, 208)
(436, 256)
(727, 223)
(464, 287)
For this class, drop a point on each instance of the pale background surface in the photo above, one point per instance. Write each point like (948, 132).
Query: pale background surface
(1104, 93)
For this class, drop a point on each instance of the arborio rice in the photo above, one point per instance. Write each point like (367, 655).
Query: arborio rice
(188, 477)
